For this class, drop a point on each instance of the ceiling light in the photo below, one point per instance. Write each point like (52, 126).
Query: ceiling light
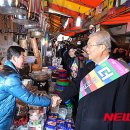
(78, 21)
(57, 12)
(66, 23)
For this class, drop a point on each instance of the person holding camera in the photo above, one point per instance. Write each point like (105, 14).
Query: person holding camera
(73, 62)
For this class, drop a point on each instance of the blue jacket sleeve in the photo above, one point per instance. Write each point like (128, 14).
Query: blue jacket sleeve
(14, 86)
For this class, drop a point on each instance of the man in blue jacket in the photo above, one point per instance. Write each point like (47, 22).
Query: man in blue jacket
(11, 87)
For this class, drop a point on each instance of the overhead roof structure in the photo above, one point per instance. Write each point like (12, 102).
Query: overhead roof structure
(122, 19)
(70, 8)
(64, 9)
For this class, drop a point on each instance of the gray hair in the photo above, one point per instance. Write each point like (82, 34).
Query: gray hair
(102, 37)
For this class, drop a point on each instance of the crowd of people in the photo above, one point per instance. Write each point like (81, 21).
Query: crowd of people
(99, 93)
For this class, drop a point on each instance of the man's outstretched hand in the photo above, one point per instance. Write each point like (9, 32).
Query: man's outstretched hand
(55, 100)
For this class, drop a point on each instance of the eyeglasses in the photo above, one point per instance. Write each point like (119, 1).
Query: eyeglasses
(89, 45)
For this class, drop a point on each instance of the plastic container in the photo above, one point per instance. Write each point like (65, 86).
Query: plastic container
(52, 116)
(68, 126)
(69, 112)
(55, 109)
(36, 118)
(50, 125)
(60, 124)
(62, 113)
(38, 127)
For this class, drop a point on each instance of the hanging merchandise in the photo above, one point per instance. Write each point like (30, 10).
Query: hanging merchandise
(110, 4)
(21, 18)
(12, 7)
(117, 3)
(34, 45)
(127, 4)
(46, 39)
(23, 44)
(123, 2)
(98, 11)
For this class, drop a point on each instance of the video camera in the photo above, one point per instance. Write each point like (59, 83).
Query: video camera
(78, 52)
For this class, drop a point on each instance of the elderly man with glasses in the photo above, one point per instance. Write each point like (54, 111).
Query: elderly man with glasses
(104, 88)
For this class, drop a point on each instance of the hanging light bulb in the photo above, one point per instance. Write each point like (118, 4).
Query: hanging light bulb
(78, 21)
(66, 23)
(43, 41)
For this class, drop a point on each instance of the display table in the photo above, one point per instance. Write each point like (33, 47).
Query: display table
(41, 118)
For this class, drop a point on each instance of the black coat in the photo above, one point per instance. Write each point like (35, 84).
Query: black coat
(73, 88)
(114, 97)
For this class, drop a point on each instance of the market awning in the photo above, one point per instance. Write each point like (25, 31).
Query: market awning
(122, 19)
(88, 3)
(71, 8)
(73, 31)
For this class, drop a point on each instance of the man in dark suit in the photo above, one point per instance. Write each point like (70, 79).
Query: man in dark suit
(98, 98)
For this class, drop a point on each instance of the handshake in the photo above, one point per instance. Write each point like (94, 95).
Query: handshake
(55, 100)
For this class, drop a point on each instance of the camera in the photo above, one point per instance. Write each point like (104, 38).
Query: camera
(78, 52)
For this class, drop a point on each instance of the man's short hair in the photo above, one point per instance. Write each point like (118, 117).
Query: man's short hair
(102, 37)
(14, 51)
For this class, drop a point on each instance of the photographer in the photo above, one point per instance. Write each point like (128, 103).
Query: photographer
(73, 62)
